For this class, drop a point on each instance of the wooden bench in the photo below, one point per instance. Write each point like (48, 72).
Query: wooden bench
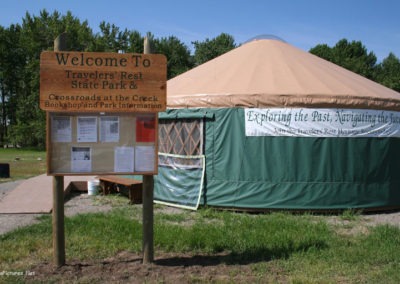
(110, 184)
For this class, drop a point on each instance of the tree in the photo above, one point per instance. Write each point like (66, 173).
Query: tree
(3, 93)
(110, 39)
(388, 72)
(177, 53)
(350, 55)
(37, 34)
(21, 119)
(11, 66)
(135, 42)
(209, 49)
(323, 51)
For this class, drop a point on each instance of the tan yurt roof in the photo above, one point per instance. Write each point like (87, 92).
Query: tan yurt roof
(272, 73)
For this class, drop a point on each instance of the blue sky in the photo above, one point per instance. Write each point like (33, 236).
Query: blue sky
(302, 23)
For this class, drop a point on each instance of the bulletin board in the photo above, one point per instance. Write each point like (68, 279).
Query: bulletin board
(102, 143)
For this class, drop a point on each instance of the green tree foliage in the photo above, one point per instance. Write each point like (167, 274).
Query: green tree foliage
(37, 34)
(135, 42)
(3, 95)
(110, 39)
(388, 72)
(12, 63)
(355, 57)
(22, 122)
(211, 48)
(323, 51)
(350, 55)
(177, 53)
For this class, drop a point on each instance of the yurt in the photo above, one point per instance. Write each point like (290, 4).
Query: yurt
(269, 126)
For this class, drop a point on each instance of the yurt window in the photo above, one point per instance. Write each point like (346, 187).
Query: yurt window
(181, 137)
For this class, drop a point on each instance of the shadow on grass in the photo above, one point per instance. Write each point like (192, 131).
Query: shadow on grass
(242, 258)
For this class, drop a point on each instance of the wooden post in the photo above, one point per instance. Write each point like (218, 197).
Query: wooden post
(147, 197)
(148, 219)
(58, 221)
(60, 43)
(58, 192)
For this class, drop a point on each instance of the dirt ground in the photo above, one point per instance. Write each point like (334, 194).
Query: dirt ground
(127, 267)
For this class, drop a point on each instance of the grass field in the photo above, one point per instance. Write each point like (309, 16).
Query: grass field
(23, 163)
(299, 248)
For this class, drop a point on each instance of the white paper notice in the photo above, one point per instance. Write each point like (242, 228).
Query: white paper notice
(81, 159)
(109, 129)
(144, 158)
(61, 129)
(87, 129)
(123, 159)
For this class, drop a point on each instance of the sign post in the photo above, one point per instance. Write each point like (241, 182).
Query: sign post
(58, 221)
(101, 119)
(148, 200)
(60, 44)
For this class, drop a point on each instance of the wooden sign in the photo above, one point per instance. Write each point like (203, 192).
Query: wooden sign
(102, 82)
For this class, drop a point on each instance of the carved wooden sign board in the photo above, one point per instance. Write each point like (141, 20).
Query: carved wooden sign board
(102, 111)
(102, 82)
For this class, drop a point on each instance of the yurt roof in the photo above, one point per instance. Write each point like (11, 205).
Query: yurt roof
(272, 73)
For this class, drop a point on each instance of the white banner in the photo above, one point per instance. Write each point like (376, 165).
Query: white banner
(308, 122)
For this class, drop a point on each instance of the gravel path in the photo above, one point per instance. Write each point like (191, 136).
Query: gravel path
(83, 203)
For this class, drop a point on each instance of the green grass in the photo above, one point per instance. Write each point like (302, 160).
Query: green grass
(350, 214)
(24, 163)
(297, 248)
